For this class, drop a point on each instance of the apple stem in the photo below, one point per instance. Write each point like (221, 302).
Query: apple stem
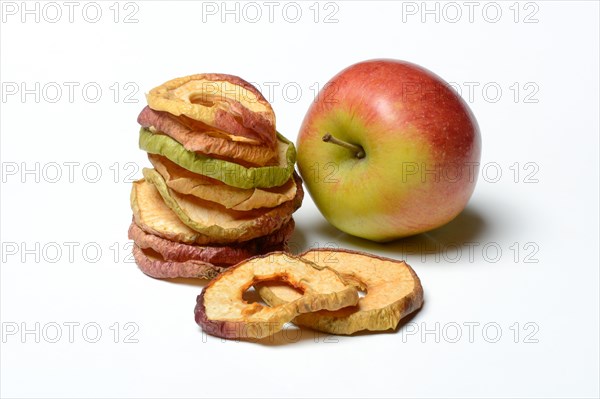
(359, 152)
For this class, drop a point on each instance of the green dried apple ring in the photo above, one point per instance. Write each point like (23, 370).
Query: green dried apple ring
(223, 101)
(221, 311)
(199, 137)
(230, 173)
(393, 291)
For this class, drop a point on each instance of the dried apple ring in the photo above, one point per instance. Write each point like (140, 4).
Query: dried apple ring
(230, 173)
(221, 311)
(195, 136)
(393, 290)
(183, 181)
(154, 265)
(214, 220)
(220, 255)
(225, 102)
(153, 216)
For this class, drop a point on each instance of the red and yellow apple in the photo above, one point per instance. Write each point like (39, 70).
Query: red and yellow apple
(388, 149)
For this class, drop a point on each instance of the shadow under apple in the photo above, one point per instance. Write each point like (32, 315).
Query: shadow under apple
(468, 227)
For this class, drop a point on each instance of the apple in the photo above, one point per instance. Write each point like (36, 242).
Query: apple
(388, 149)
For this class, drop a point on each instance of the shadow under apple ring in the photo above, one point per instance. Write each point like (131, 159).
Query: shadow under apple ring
(297, 242)
(195, 282)
(295, 334)
(469, 226)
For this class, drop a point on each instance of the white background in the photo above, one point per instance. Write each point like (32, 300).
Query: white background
(552, 214)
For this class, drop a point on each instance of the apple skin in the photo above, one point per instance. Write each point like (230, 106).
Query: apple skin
(422, 146)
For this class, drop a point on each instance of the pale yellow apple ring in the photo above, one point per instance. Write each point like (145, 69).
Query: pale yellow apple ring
(221, 310)
(393, 290)
(212, 220)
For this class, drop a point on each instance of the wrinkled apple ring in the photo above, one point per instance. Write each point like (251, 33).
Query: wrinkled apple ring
(228, 172)
(154, 265)
(221, 311)
(225, 102)
(183, 181)
(393, 290)
(223, 224)
(197, 137)
(221, 255)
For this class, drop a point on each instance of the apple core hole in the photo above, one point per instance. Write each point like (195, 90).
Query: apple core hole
(251, 296)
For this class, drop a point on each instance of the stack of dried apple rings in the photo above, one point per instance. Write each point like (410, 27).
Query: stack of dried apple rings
(222, 187)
